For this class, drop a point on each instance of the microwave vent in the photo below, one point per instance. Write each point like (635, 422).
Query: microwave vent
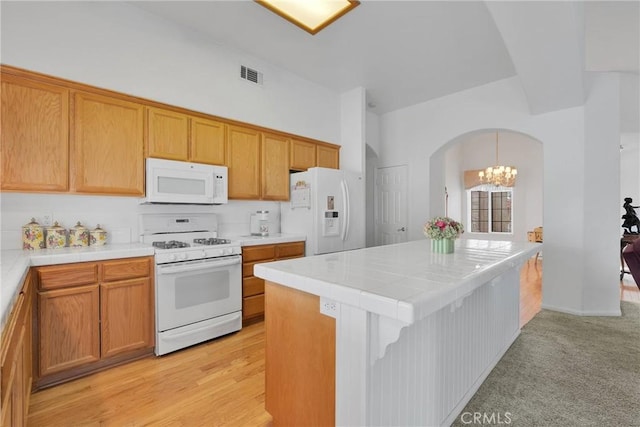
(250, 75)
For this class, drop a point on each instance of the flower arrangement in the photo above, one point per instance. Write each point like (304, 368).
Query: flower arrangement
(442, 227)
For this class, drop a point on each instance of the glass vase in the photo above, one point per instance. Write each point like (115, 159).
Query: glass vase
(442, 246)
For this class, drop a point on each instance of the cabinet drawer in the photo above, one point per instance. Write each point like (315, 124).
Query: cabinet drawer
(63, 276)
(252, 306)
(290, 250)
(252, 286)
(126, 269)
(247, 268)
(258, 253)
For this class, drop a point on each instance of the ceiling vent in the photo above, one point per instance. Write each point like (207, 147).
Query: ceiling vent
(250, 75)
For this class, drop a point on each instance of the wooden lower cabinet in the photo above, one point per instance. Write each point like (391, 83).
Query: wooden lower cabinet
(69, 328)
(126, 313)
(86, 327)
(300, 359)
(253, 287)
(16, 355)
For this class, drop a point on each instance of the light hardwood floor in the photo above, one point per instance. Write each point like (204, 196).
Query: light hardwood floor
(219, 383)
(530, 289)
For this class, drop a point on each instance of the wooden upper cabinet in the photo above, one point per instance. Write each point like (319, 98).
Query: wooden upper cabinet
(243, 160)
(275, 167)
(35, 135)
(167, 134)
(107, 145)
(61, 136)
(303, 155)
(328, 157)
(208, 141)
(306, 154)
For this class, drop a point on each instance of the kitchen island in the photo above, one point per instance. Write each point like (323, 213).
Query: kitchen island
(389, 335)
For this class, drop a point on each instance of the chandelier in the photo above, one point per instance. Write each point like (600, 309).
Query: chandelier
(500, 176)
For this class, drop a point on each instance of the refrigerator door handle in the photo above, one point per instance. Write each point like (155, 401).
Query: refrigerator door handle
(345, 204)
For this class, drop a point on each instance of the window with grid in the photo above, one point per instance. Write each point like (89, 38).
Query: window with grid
(490, 210)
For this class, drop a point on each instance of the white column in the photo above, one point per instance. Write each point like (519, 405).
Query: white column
(600, 293)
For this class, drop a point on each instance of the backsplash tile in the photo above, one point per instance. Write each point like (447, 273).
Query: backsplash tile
(117, 215)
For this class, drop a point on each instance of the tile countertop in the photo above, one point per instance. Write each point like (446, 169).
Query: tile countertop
(271, 239)
(404, 281)
(14, 265)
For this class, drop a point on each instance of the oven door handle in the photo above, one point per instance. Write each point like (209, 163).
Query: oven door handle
(198, 267)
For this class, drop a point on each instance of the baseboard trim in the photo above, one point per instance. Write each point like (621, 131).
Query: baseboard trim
(613, 313)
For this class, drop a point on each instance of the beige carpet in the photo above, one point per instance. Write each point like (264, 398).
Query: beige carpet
(566, 371)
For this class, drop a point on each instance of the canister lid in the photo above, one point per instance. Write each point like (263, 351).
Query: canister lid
(32, 223)
(79, 226)
(55, 226)
(98, 229)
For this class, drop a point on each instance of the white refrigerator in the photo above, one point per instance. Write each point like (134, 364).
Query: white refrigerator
(328, 206)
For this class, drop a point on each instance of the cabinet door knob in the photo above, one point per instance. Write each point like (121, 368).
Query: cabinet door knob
(401, 229)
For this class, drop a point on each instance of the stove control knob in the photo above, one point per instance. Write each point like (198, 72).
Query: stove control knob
(173, 257)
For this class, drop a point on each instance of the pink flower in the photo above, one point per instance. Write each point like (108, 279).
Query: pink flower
(441, 224)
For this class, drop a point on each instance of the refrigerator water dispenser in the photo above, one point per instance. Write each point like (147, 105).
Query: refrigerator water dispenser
(331, 224)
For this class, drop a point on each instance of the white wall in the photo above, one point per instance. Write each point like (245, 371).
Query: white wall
(412, 135)
(118, 46)
(601, 202)
(372, 139)
(454, 183)
(629, 169)
(353, 130)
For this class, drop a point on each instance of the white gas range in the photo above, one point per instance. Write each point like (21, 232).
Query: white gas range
(198, 279)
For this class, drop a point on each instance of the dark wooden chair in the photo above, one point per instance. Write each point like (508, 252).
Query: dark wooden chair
(631, 255)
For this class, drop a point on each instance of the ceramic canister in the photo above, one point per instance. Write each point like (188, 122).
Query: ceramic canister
(78, 235)
(32, 236)
(56, 236)
(98, 236)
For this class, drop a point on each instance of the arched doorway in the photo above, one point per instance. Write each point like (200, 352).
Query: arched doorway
(476, 150)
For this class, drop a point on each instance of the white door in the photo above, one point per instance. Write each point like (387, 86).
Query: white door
(391, 205)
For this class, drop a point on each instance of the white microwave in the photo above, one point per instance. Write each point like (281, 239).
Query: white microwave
(170, 181)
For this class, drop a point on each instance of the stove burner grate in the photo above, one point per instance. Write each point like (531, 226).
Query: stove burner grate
(171, 244)
(211, 241)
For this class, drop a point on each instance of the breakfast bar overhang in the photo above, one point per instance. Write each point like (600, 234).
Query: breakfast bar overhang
(388, 335)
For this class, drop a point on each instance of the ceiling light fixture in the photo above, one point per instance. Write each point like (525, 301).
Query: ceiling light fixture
(500, 176)
(310, 15)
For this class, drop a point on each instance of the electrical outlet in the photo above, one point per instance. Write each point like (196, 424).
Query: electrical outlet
(47, 220)
(329, 307)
